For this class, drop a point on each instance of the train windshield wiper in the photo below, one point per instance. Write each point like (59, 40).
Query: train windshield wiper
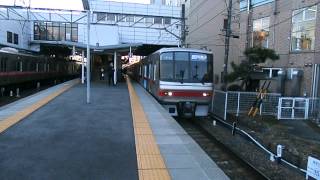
(182, 75)
(196, 77)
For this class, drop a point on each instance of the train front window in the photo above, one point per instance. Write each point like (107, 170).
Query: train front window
(181, 65)
(166, 66)
(200, 67)
(186, 67)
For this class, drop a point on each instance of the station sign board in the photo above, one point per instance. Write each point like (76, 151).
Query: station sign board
(313, 168)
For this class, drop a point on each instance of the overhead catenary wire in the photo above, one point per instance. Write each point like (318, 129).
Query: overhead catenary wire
(206, 37)
(211, 19)
(271, 26)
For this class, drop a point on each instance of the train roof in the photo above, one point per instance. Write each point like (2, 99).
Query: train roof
(183, 50)
(16, 53)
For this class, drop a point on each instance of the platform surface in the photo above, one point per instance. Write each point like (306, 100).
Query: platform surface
(184, 158)
(69, 139)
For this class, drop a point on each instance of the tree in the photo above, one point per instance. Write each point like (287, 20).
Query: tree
(244, 70)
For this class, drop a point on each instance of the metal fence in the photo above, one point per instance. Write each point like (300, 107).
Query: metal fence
(314, 109)
(293, 108)
(240, 103)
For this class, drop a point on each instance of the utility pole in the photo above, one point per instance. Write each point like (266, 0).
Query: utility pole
(249, 23)
(227, 45)
(183, 25)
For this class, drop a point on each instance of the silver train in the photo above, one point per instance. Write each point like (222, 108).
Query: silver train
(180, 79)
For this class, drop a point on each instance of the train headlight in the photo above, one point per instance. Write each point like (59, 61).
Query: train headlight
(170, 93)
(205, 94)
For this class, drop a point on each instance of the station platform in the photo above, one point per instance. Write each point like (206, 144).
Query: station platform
(123, 134)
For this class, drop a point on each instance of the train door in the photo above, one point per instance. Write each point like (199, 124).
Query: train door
(150, 78)
(145, 77)
(3, 65)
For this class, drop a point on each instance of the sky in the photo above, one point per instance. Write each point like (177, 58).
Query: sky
(59, 4)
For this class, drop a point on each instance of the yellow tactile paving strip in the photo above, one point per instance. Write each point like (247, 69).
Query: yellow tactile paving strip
(12, 120)
(151, 165)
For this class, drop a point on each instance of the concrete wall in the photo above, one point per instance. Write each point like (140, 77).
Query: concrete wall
(23, 29)
(102, 34)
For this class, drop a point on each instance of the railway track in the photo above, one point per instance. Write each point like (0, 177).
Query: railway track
(229, 162)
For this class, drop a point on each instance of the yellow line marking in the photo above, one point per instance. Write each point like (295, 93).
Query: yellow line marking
(154, 174)
(23, 113)
(151, 165)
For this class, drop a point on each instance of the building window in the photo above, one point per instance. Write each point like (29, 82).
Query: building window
(9, 37)
(260, 35)
(303, 29)
(43, 31)
(254, 3)
(171, 2)
(36, 31)
(138, 19)
(158, 20)
(149, 20)
(167, 20)
(15, 38)
(101, 17)
(74, 32)
(121, 18)
(130, 19)
(49, 31)
(111, 17)
(62, 32)
(55, 31)
(68, 32)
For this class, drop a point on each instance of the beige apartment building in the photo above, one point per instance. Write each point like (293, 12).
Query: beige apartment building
(290, 27)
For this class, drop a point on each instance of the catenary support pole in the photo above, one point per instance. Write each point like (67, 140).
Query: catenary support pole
(88, 57)
(115, 68)
(82, 67)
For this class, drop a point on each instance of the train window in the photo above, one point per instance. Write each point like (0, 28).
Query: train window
(37, 67)
(3, 67)
(140, 70)
(145, 71)
(19, 66)
(150, 71)
(166, 64)
(154, 72)
(199, 67)
(181, 65)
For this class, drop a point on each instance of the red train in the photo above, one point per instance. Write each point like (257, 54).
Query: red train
(18, 68)
(179, 78)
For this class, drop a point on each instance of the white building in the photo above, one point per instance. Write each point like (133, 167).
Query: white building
(112, 23)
